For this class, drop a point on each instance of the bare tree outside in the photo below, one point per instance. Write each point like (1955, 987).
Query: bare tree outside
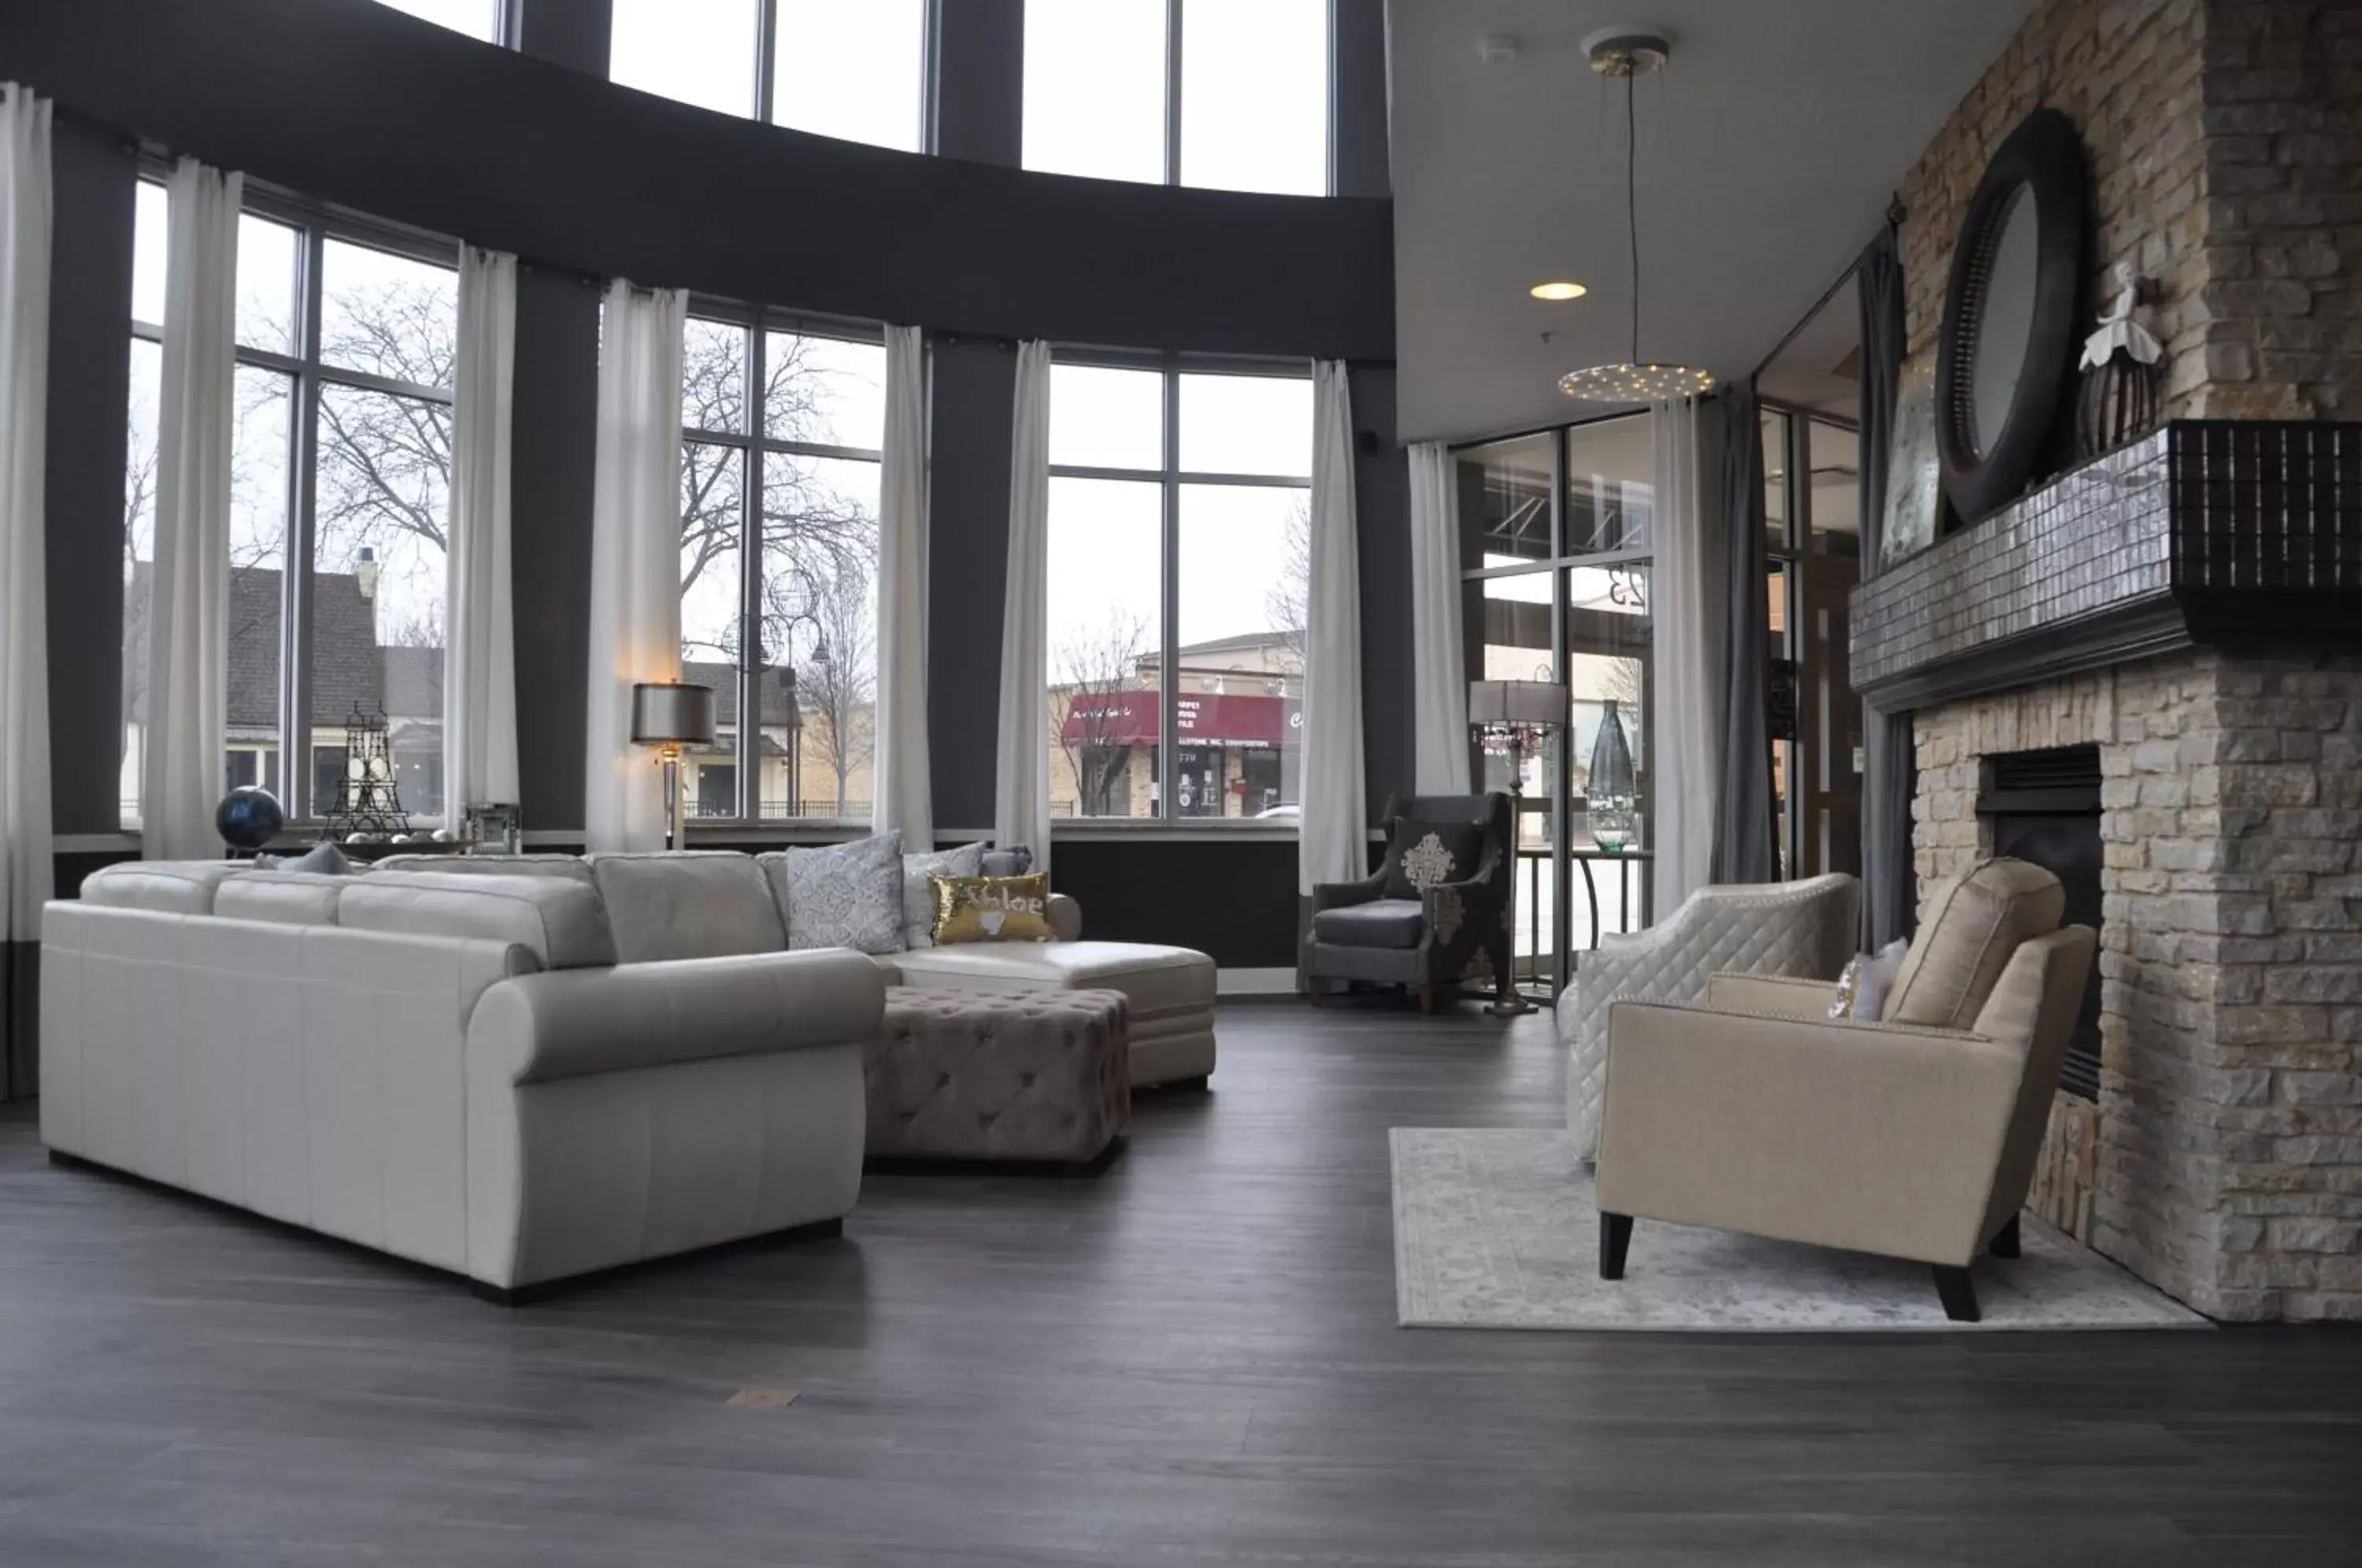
(1289, 601)
(1092, 667)
(838, 694)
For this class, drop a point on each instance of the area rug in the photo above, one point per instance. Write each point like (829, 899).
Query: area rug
(1497, 1229)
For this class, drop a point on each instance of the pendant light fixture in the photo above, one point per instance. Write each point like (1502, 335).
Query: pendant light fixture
(1630, 53)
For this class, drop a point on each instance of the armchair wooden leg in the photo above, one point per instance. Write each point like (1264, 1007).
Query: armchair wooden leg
(1958, 1292)
(2005, 1240)
(1615, 1241)
(1427, 999)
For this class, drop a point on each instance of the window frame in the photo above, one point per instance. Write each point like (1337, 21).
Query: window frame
(758, 322)
(316, 223)
(1174, 27)
(1170, 479)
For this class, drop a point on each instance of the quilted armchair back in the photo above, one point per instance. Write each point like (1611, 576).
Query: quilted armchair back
(1802, 930)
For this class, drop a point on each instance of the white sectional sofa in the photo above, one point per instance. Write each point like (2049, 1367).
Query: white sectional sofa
(522, 1071)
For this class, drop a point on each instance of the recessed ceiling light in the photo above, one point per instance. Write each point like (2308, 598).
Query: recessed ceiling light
(1558, 291)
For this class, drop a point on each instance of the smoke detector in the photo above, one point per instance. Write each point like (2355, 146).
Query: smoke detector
(1498, 48)
(1627, 49)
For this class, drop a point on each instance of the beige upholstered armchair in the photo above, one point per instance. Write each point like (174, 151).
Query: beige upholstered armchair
(1914, 1136)
(1803, 928)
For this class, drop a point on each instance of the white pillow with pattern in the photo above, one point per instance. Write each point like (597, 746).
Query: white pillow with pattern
(846, 895)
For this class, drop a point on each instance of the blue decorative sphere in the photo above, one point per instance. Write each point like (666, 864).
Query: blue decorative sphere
(249, 817)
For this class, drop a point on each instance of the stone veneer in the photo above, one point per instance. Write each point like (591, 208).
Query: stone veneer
(2230, 1160)
(2224, 138)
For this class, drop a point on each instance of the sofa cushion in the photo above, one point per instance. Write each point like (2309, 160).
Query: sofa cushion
(1381, 922)
(1974, 923)
(571, 867)
(168, 887)
(1419, 854)
(281, 897)
(1159, 980)
(559, 920)
(688, 904)
(918, 888)
(841, 895)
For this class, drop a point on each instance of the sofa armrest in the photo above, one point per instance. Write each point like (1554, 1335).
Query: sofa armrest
(1065, 918)
(1771, 996)
(1871, 1137)
(574, 1022)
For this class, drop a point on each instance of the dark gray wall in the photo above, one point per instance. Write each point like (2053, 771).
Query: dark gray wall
(572, 33)
(967, 568)
(1362, 155)
(555, 424)
(980, 81)
(90, 388)
(1382, 512)
(353, 103)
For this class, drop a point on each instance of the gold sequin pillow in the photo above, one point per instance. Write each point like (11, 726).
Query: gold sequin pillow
(992, 909)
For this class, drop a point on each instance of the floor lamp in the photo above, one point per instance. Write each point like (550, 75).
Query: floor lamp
(667, 716)
(1513, 709)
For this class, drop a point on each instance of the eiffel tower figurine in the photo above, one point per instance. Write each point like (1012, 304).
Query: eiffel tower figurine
(367, 801)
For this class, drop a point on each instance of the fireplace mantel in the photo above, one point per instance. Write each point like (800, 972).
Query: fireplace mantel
(2204, 532)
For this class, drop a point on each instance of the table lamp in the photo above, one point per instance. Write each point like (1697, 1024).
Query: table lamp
(669, 715)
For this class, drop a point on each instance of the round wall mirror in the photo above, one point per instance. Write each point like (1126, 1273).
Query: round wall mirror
(2010, 316)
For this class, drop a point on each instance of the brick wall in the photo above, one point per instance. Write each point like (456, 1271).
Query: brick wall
(2230, 1160)
(2225, 138)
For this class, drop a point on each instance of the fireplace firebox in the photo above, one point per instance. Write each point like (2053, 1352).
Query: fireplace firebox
(2044, 806)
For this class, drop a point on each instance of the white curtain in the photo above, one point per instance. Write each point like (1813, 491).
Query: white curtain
(188, 605)
(1439, 665)
(1332, 841)
(904, 783)
(479, 738)
(25, 209)
(1691, 634)
(634, 558)
(1020, 809)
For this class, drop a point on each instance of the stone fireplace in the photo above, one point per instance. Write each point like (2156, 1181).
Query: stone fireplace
(2191, 607)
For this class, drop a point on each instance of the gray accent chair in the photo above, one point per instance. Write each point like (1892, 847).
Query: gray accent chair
(1454, 933)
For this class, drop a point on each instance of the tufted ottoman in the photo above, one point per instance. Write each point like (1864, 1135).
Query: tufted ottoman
(981, 1076)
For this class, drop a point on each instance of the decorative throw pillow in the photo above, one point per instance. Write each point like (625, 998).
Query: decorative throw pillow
(1421, 854)
(1867, 976)
(992, 909)
(846, 895)
(918, 872)
(322, 858)
(1017, 860)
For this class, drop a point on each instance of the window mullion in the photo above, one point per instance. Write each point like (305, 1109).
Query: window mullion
(751, 653)
(1173, 25)
(766, 43)
(295, 597)
(1168, 704)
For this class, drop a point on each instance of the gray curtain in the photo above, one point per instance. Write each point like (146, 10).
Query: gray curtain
(1744, 829)
(1890, 886)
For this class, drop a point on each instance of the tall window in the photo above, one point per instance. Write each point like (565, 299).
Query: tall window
(1179, 552)
(340, 478)
(850, 69)
(779, 565)
(477, 18)
(1555, 540)
(1232, 94)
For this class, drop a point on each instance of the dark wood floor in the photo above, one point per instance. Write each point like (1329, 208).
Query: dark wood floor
(1189, 1359)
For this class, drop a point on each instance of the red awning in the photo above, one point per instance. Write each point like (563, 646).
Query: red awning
(1134, 718)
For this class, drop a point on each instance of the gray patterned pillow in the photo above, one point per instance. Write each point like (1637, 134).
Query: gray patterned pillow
(846, 895)
(918, 894)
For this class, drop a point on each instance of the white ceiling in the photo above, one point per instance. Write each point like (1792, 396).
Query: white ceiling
(1767, 155)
